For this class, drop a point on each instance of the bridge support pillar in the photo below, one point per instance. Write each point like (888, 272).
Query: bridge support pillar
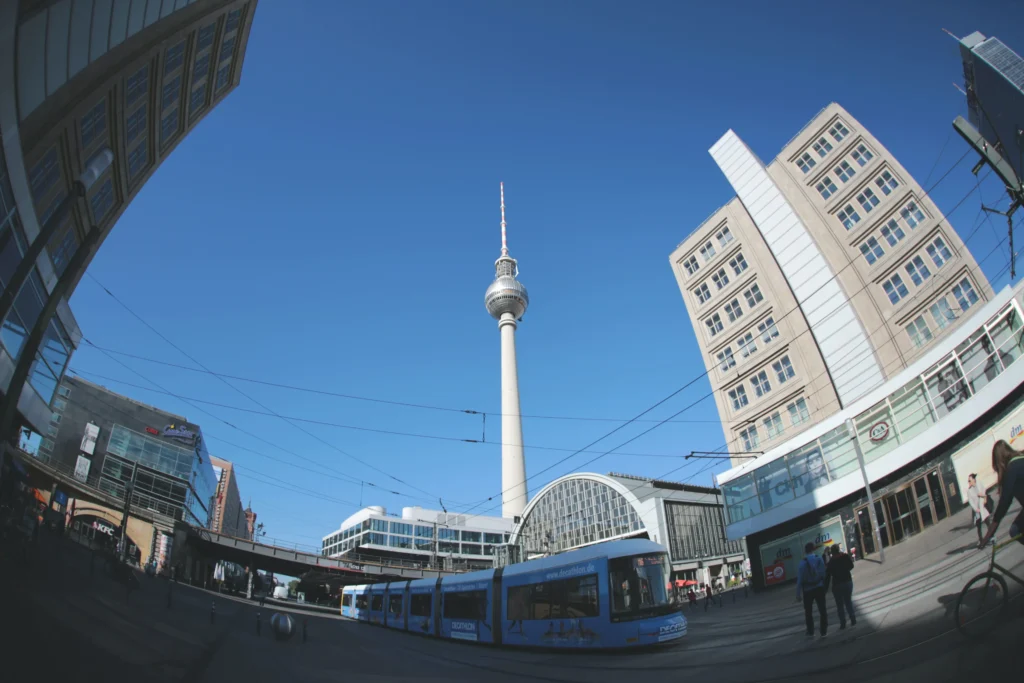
(252, 575)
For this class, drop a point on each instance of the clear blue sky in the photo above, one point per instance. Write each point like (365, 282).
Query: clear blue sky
(334, 223)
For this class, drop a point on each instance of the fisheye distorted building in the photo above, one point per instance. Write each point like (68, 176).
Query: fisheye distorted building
(830, 272)
(122, 82)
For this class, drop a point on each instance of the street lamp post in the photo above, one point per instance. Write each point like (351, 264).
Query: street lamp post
(27, 357)
(129, 489)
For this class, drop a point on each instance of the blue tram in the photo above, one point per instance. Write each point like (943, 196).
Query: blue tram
(609, 595)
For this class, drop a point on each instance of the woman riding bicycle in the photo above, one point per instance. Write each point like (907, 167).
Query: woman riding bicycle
(1009, 466)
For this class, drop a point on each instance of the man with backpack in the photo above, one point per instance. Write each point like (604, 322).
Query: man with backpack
(810, 585)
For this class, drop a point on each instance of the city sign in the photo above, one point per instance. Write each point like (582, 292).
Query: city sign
(153, 430)
(182, 433)
(779, 559)
(82, 466)
(88, 445)
(879, 431)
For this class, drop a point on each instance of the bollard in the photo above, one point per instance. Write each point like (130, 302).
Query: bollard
(258, 623)
(213, 612)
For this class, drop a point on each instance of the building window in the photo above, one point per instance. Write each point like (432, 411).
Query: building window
(198, 100)
(169, 127)
(918, 271)
(63, 246)
(746, 344)
(137, 85)
(232, 22)
(822, 147)
(720, 278)
(844, 171)
(862, 155)
(768, 329)
(919, 332)
(702, 293)
(707, 252)
(226, 49)
(738, 396)
(102, 200)
(806, 163)
(826, 188)
(848, 216)
(714, 324)
(753, 296)
(783, 369)
(894, 288)
(725, 359)
(724, 236)
(838, 131)
(773, 425)
(911, 214)
(206, 34)
(867, 200)
(94, 123)
(201, 68)
(44, 175)
(690, 265)
(761, 384)
(733, 310)
(886, 183)
(872, 250)
(46, 445)
(52, 429)
(892, 232)
(798, 413)
(750, 438)
(738, 264)
(171, 93)
(964, 294)
(223, 76)
(942, 313)
(64, 391)
(174, 58)
(136, 123)
(939, 252)
(137, 159)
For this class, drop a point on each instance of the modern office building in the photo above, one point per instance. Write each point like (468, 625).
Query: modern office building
(921, 433)
(829, 273)
(116, 444)
(119, 80)
(425, 537)
(583, 508)
(228, 516)
(994, 80)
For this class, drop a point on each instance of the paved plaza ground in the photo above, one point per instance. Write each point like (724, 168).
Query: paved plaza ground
(63, 620)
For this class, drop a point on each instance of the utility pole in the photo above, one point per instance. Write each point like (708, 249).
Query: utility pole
(129, 489)
(851, 430)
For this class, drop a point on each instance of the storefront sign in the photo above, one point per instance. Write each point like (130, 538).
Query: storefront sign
(180, 432)
(153, 430)
(88, 445)
(82, 466)
(976, 456)
(879, 431)
(779, 559)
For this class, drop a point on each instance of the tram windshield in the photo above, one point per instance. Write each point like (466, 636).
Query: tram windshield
(640, 585)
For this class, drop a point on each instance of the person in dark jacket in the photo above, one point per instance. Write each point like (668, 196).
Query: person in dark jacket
(838, 573)
(1009, 466)
(810, 587)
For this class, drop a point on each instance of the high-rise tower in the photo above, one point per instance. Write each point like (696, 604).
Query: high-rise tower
(506, 300)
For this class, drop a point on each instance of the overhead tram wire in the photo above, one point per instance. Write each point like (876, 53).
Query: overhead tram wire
(233, 387)
(850, 262)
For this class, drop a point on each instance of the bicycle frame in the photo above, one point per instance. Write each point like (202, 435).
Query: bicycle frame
(994, 565)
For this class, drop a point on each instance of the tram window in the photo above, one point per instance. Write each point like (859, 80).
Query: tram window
(346, 600)
(467, 605)
(420, 606)
(395, 604)
(638, 584)
(376, 603)
(361, 601)
(565, 599)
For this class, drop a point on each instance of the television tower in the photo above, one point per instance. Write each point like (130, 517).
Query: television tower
(506, 300)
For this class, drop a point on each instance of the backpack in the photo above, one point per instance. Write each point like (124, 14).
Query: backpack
(811, 575)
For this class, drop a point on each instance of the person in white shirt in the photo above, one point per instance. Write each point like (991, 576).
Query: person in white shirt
(977, 498)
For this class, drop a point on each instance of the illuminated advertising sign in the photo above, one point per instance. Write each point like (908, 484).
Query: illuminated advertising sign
(779, 559)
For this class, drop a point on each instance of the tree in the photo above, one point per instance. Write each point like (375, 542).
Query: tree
(293, 587)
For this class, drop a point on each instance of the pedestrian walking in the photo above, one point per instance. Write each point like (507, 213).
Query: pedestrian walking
(693, 599)
(839, 574)
(708, 596)
(978, 502)
(1009, 465)
(810, 586)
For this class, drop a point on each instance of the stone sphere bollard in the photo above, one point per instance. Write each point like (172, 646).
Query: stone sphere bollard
(283, 626)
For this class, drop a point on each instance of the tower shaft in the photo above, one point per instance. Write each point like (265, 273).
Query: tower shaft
(513, 461)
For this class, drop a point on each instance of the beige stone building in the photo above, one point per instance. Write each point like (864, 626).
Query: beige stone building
(228, 516)
(827, 274)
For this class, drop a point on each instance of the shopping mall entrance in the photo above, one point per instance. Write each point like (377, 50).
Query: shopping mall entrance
(904, 512)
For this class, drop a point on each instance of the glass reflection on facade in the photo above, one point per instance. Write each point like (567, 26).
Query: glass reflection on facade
(575, 512)
(186, 494)
(695, 532)
(902, 415)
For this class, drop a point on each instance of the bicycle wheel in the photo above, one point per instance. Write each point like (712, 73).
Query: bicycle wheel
(981, 604)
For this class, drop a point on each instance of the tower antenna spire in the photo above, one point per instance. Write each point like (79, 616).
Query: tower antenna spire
(504, 241)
